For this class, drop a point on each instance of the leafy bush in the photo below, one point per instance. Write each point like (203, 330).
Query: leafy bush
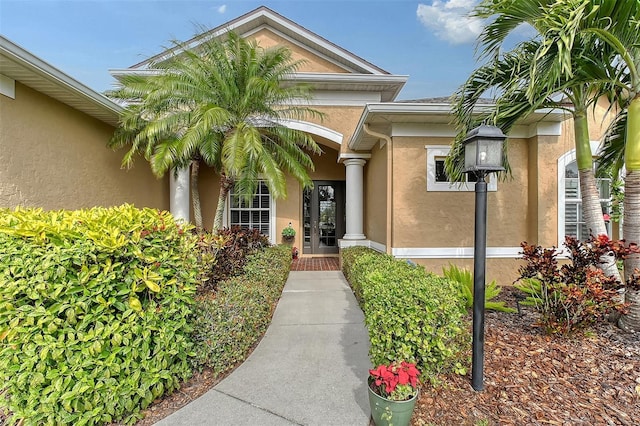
(575, 295)
(349, 257)
(411, 315)
(463, 278)
(228, 251)
(231, 320)
(94, 308)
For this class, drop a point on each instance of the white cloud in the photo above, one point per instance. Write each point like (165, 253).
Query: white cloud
(222, 9)
(449, 20)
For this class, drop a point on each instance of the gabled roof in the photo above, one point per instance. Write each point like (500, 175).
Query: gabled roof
(263, 17)
(23, 66)
(359, 75)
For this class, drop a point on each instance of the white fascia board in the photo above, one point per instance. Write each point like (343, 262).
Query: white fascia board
(304, 46)
(347, 78)
(48, 72)
(448, 131)
(320, 42)
(266, 18)
(547, 121)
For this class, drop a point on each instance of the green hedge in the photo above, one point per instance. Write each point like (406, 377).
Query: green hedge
(231, 320)
(94, 309)
(411, 315)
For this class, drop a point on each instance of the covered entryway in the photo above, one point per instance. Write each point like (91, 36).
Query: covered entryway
(323, 217)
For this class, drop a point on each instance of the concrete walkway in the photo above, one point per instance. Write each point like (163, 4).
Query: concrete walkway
(309, 369)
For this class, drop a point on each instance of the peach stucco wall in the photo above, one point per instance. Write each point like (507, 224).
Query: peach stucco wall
(445, 219)
(55, 157)
(311, 62)
(375, 196)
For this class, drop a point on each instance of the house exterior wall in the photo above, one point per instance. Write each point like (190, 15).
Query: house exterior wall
(375, 196)
(342, 119)
(312, 63)
(445, 220)
(53, 156)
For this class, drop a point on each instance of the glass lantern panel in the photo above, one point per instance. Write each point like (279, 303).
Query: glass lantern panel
(470, 155)
(490, 153)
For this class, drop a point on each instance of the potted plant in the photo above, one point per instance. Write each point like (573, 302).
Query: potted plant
(288, 233)
(393, 392)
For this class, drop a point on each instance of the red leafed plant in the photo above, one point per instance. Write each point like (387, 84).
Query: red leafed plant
(397, 381)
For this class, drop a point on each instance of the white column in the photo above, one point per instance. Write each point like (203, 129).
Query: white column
(354, 207)
(179, 194)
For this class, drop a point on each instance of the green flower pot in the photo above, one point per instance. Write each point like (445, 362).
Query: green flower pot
(386, 412)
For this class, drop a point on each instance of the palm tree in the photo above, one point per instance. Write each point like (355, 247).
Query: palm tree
(617, 23)
(222, 104)
(527, 78)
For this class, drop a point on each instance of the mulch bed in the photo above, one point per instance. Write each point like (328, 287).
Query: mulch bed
(534, 379)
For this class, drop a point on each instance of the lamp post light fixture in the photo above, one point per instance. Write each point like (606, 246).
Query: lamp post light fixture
(483, 152)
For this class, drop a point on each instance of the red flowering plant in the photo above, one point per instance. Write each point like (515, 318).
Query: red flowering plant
(397, 381)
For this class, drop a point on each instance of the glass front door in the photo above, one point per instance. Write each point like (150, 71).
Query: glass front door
(323, 211)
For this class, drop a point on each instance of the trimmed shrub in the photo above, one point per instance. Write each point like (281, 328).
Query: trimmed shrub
(94, 308)
(231, 320)
(411, 315)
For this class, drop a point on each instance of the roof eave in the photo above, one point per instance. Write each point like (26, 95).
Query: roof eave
(82, 97)
(393, 111)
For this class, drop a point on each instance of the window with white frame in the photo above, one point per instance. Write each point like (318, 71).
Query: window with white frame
(437, 179)
(254, 214)
(570, 218)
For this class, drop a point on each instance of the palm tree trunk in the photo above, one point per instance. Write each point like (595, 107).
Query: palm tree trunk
(195, 195)
(631, 224)
(225, 185)
(591, 207)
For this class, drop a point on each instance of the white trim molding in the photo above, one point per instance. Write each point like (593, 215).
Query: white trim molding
(351, 155)
(314, 129)
(434, 151)
(273, 238)
(363, 243)
(454, 252)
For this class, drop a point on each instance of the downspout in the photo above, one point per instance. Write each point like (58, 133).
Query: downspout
(387, 139)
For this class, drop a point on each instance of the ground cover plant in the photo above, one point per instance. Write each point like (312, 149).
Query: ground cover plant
(94, 312)
(410, 314)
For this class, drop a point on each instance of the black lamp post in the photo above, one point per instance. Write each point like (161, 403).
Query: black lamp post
(483, 150)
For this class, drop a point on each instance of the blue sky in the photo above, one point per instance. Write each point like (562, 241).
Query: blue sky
(429, 40)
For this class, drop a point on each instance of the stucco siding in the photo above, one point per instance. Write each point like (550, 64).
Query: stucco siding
(342, 119)
(53, 156)
(375, 196)
(312, 62)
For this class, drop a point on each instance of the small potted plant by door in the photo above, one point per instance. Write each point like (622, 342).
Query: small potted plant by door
(393, 392)
(288, 233)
